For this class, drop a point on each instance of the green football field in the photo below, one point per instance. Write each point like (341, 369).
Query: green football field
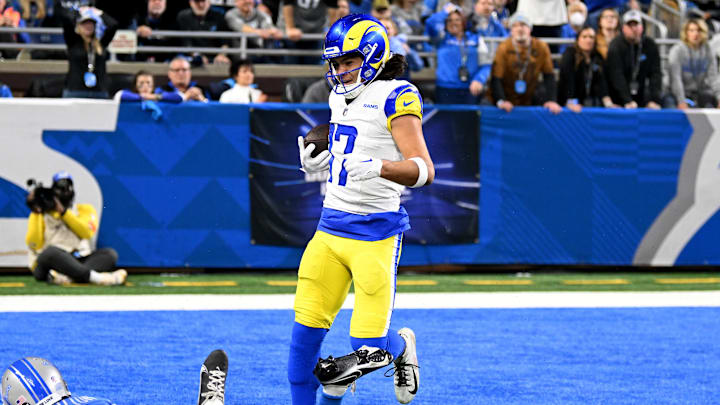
(284, 283)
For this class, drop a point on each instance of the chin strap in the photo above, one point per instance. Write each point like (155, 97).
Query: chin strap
(356, 92)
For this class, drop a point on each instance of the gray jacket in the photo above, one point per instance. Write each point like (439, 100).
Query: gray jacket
(693, 72)
(256, 20)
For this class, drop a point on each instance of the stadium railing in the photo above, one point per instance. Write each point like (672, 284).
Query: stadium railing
(244, 50)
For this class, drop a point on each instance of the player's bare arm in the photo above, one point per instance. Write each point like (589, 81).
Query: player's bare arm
(408, 136)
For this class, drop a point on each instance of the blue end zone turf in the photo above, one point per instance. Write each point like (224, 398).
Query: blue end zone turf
(483, 356)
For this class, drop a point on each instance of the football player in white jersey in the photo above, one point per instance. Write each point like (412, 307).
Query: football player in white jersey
(376, 149)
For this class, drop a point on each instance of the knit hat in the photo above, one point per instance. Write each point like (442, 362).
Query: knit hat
(520, 18)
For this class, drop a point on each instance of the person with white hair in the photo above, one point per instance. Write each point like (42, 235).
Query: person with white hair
(519, 62)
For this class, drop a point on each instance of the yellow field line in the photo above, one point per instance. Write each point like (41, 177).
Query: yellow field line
(498, 282)
(199, 283)
(4, 285)
(707, 280)
(417, 282)
(282, 283)
(612, 281)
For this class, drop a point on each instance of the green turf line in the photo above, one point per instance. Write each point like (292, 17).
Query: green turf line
(284, 283)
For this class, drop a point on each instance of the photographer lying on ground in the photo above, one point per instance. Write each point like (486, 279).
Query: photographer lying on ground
(59, 238)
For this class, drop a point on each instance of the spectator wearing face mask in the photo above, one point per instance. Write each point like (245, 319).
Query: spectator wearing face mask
(577, 15)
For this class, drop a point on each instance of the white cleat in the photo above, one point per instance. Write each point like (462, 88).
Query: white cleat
(407, 372)
(116, 277)
(55, 277)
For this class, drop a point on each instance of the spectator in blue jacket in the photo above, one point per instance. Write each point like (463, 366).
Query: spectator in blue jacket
(577, 16)
(463, 63)
(181, 82)
(431, 7)
(502, 12)
(485, 22)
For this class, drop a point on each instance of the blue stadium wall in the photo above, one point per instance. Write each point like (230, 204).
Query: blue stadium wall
(218, 185)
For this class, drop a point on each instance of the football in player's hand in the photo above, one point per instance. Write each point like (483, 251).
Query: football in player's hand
(319, 136)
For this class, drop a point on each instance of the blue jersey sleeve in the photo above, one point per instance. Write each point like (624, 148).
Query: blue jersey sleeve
(482, 74)
(128, 95)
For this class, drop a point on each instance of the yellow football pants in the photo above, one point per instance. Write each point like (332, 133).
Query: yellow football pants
(328, 266)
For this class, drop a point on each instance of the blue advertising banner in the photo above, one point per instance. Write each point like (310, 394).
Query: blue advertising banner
(211, 185)
(580, 188)
(286, 202)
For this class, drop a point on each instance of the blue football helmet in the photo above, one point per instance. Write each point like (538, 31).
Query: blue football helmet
(361, 34)
(33, 381)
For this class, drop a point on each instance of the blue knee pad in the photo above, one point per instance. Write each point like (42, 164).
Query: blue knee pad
(304, 352)
(392, 343)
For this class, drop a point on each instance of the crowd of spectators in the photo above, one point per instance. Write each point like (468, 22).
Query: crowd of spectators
(486, 51)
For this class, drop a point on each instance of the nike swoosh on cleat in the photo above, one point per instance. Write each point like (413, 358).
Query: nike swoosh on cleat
(407, 104)
(414, 390)
(354, 376)
(351, 377)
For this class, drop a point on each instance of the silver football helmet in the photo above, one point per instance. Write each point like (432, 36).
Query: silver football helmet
(33, 381)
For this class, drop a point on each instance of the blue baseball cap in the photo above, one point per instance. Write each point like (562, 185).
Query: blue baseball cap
(61, 175)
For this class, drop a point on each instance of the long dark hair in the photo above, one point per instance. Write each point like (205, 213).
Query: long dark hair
(579, 56)
(135, 78)
(394, 67)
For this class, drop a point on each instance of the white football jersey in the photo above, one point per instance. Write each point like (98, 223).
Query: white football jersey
(363, 128)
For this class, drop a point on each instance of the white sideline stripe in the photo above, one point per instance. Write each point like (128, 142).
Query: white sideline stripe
(195, 302)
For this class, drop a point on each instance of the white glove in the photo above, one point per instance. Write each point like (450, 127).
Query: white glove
(311, 164)
(360, 167)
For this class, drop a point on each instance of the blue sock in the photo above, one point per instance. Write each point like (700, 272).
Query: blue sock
(327, 399)
(304, 353)
(392, 343)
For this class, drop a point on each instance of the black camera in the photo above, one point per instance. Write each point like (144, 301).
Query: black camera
(43, 198)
